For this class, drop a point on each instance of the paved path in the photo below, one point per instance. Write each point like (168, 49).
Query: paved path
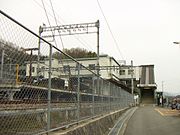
(150, 120)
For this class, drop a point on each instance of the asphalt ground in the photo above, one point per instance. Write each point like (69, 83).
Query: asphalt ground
(149, 120)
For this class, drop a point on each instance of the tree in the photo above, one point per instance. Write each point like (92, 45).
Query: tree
(75, 53)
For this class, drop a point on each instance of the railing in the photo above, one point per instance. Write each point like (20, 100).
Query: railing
(39, 94)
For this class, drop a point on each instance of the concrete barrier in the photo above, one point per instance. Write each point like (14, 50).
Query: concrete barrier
(96, 126)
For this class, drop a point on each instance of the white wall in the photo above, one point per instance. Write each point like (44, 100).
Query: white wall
(136, 73)
(103, 61)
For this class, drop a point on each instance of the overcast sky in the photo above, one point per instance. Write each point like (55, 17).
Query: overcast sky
(144, 30)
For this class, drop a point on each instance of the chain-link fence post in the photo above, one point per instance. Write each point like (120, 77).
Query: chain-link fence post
(109, 97)
(102, 96)
(2, 62)
(119, 97)
(78, 94)
(126, 99)
(112, 99)
(93, 94)
(49, 90)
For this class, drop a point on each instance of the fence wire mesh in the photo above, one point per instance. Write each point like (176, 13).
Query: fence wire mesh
(39, 93)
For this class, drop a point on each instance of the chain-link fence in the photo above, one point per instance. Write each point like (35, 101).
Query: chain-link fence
(40, 93)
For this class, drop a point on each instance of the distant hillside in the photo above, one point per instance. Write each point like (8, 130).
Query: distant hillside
(75, 53)
(15, 54)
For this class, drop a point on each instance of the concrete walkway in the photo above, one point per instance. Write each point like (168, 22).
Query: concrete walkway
(149, 120)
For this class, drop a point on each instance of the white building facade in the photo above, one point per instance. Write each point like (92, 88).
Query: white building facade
(109, 68)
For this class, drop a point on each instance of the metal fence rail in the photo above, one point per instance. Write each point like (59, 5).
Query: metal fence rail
(39, 93)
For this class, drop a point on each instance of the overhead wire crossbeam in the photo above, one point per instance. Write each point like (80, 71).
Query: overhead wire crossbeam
(57, 18)
(71, 29)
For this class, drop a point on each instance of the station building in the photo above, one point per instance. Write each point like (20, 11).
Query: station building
(117, 72)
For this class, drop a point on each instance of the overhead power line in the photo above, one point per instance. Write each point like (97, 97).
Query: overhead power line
(56, 23)
(40, 5)
(82, 41)
(77, 38)
(50, 24)
(46, 12)
(110, 30)
(48, 19)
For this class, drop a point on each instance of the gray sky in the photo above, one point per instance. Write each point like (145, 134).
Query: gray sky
(144, 29)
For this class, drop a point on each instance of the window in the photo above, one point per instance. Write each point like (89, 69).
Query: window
(122, 72)
(66, 68)
(130, 71)
(92, 66)
(33, 69)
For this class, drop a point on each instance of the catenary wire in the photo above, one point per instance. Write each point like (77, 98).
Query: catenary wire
(110, 29)
(48, 20)
(80, 40)
(56, 23)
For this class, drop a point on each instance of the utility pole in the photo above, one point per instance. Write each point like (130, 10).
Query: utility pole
(97, 25)
(162, 93)
(30, 68)
(39, 46)
(162, 86)
(132, 82)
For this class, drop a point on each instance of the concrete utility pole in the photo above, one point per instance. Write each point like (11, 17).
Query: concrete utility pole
(162, 92)
(97, 25)
(39, 46)
(132, 82)
(30, 68)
